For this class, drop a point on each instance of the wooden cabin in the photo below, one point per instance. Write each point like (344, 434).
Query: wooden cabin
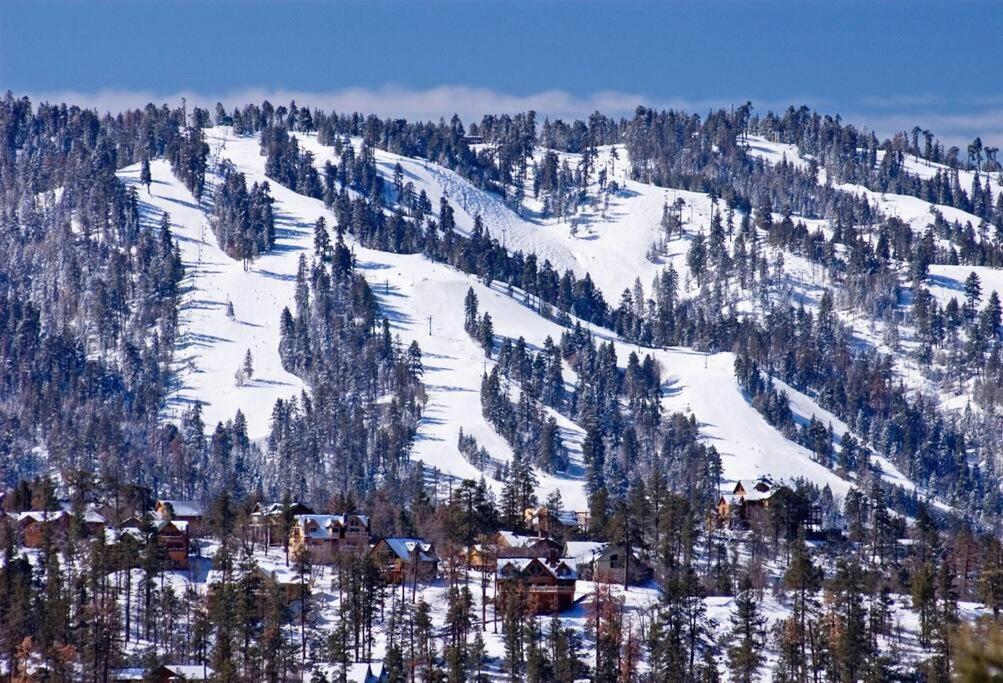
(511, 544)
(547, 585)
(34, 526)
(546, 522)
(405, 559)
(612, 566)
(266, 522)
(748, 500)
(172, 539)
(328, 536)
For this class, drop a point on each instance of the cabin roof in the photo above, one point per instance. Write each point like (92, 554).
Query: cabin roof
(183, 508)
(405, 548)
(561, 568)
(326, 523)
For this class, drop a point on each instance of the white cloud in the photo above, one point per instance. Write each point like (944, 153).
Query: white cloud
(390, 100)
(884, 115)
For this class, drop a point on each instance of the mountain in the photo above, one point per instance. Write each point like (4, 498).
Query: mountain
(620, 318)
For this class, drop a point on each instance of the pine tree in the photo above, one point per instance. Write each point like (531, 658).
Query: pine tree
(145, 176)
(745, 655)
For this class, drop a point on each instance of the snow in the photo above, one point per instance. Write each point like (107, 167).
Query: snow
(948, 282)
(423, 302)
(213, 345)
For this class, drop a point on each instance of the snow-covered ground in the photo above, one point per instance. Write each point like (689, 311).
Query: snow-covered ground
(423, 301)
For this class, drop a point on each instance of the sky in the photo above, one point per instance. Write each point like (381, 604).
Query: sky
(886, 65)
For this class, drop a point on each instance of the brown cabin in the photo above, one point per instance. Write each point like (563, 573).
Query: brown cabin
(328, 536)
(33, 526)
(172, 538)
(266, 522)
(547, 585)
(405, 559)
(748, 500)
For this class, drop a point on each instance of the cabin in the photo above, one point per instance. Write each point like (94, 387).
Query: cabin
(405, 559)
(172, 539)
(94, 522)
(328, 536)
(748, 500)
(182, 673)
(263, 581)
(546, 522)
(606, 562)
(612, 566)
(511, 544)
(283, 578)
(188, 511)
(479, 557)
(266, 522)
(35, 527)
(548, 586)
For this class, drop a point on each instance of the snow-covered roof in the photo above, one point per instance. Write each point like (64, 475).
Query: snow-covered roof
(183, 508)
(754, 490)
(38, 515)
(405, 547)
(565, 517)
(326, 523)
(562, 568)
(514, 540)
(113, 536)
(191, 672)
(178, 524)
(584, 551)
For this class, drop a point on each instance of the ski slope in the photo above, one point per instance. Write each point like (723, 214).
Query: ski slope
(610, 246)
(213, 345)
(424, 302)
(912, 210)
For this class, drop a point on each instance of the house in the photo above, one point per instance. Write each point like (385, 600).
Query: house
(612, 566)
(548, 585)
(187, 511)
(747, 500)
(91, 517)
(606, 562)
(266, 522)
(172, 538)
(94, 522)
(178, 673)
(34, 527)
(328, 536)
(262, 581)
(405, 559)
(479, 557)
(546, 522)
(584, 554)
(511, 544)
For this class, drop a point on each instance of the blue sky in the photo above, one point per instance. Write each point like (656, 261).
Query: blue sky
(884, 64)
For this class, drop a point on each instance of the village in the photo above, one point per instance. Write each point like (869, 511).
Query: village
(549, 566)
